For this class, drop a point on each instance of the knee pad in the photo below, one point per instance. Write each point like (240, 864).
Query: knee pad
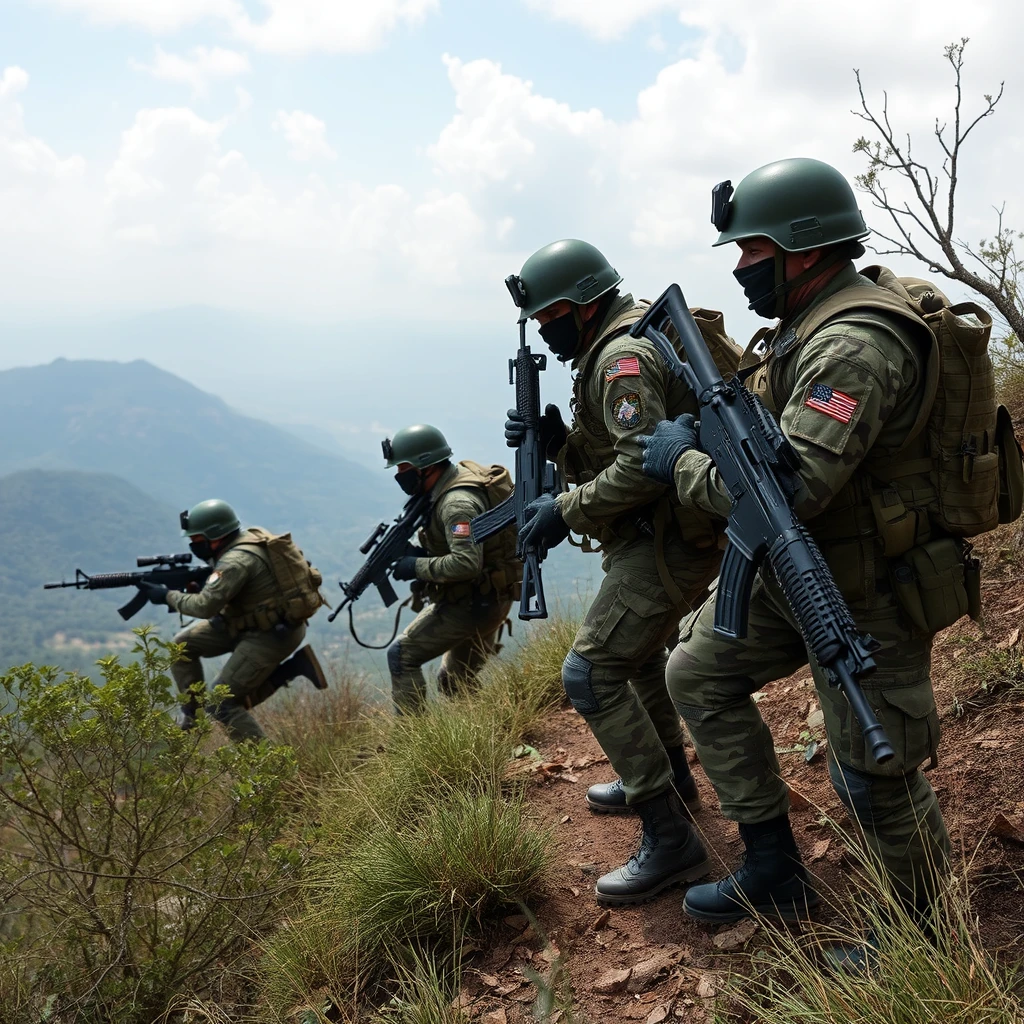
(577, 675)
(395, 658)
(855, 790)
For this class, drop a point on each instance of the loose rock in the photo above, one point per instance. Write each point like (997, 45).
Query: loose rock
(612, 982)
(732, 939)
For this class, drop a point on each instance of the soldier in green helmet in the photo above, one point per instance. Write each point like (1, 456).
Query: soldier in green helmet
(658, 560)
(470, 587)
(254, 606)
(844, 372)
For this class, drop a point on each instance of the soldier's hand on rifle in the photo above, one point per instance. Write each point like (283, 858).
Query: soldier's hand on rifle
(663, 448)
(553, 431)
(416, 551)
(405, 568)
(155, 593)
(545, 527)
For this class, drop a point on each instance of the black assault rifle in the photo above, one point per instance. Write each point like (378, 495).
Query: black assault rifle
(534, 474)
(759, 467)
(175, 573)
(385, 546)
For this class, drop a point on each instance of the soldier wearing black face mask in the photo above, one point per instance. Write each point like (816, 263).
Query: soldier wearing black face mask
(250, 608)
(470, 586)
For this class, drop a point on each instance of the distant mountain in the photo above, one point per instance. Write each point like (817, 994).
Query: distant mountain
(180, 445)
(53, 523)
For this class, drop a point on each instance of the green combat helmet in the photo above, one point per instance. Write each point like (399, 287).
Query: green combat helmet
(798, 203)
(211, 519)
(421, 446)
(570, 270)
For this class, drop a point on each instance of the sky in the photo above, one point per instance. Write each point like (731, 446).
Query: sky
(308, 207)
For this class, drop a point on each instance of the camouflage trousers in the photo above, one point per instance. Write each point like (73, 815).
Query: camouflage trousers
(614, 674)
(465, 632)
(253, 657)
(712, 680)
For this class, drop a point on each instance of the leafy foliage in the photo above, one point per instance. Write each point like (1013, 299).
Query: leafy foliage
(136, 861)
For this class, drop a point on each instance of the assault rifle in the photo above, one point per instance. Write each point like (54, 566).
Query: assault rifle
(385, 546)
(534, 474)
(759, 467)
(175, 572)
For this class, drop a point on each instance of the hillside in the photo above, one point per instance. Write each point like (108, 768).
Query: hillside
(54, 522)
(179, 444)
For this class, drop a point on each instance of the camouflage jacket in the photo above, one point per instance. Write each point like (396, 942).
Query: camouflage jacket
(242, 580)
(452, 555)
(622, 389)
(845, 397)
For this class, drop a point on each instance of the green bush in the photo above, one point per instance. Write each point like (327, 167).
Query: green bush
(138, 860)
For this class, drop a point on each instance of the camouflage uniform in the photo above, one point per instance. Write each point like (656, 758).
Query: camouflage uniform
(233, 601)
(657, 564)
(875, 362)
(470, 586)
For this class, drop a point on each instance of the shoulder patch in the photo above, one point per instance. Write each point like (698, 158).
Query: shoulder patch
(460, 530)
(625, 366)
(627, 410)
(831, 402)
(212, 578)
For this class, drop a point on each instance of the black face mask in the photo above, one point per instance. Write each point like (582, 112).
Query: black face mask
(202, 549)
(758, 283)
(409, 480)
(561, 335)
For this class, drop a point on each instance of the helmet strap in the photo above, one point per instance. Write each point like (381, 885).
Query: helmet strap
(841, 252)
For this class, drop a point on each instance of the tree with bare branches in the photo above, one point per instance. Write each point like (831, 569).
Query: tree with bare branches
(924, 225)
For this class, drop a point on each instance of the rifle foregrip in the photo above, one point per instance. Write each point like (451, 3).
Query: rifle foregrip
(527, 389)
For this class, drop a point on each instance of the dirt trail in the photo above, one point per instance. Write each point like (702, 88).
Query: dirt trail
(980, 782)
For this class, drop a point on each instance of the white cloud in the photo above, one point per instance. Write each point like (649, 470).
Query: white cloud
(290, 26)
(305, 134)
(198, 68)
(333, 26)
(602, 19)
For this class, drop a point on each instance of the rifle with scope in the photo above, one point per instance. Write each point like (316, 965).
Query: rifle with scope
(174, 572)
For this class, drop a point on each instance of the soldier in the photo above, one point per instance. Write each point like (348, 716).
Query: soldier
(470, 587)
(255, 605)
(657, 562)
(844, 373)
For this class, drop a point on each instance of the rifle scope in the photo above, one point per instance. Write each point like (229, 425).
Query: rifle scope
(142, 561)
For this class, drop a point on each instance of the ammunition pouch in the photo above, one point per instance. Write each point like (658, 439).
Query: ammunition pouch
(492, 582)
(937, 583)
(264, 618)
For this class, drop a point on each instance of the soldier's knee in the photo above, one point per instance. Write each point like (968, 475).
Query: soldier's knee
(395, 658)
(856, 789)
(577, 680)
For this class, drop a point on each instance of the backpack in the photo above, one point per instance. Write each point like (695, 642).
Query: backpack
(975, 459)
(297, 580)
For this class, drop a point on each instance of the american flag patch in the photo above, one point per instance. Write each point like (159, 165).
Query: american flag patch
(831, 402)
(460, 530)
(628, 366)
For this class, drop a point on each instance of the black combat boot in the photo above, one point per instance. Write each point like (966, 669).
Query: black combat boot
(302, 663)
(610, 797)
(771, 881)
(669, 852)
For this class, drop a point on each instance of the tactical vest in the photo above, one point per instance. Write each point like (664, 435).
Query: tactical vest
(502, 571)
(958, 470)
(289, 590)
(588, 449)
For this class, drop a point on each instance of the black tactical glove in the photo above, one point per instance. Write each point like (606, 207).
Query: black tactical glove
(155, 593)
(662, 448)
(553, 431)
(405, 568)
(545, 527)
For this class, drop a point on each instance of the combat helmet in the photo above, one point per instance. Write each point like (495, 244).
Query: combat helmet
(421, 445)
(211, 519)
(798, 203)
(570, 269)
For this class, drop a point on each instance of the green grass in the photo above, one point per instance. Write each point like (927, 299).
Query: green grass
(420, 843)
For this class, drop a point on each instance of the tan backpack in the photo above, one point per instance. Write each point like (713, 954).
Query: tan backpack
(974, 457)
(297, 580)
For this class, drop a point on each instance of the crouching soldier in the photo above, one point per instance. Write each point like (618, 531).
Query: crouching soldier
(254, 606)
(470, 587)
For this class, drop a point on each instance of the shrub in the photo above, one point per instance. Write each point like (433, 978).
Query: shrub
(137, 858)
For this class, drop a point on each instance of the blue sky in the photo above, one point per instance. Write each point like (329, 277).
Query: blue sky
(366, 175)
